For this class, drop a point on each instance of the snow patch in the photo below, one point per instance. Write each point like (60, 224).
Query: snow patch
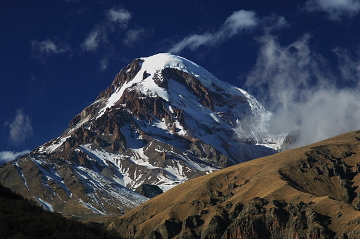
(21, 174)
(46, 205)
(54, 145)
(50, 174)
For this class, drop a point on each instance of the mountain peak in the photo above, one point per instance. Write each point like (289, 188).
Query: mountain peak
(147, 77)
(162, 121)
(157, 62)
(163, 60)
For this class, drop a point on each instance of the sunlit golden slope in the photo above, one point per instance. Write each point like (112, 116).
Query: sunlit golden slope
(308, 192)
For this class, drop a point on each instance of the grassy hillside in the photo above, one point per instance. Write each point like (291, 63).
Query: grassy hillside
(308, 192)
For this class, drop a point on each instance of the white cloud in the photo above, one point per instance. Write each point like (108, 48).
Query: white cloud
(237, 22)
(334, 8)
(297, 85)
(47, 47)
(91, 43)
(133, 35)
(349, 66)
(120, 16)
(6, 156)
(20, 128)
(192, 42)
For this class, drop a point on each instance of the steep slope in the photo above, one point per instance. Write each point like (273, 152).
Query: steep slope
(22, 218)
(308, 192)
(162, 121)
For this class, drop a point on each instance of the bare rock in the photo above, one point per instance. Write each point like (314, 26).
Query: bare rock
(149, 190)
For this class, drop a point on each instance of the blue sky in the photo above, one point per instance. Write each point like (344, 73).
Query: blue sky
(301, 59)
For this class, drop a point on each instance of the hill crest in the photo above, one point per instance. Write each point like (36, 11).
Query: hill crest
(308, 192)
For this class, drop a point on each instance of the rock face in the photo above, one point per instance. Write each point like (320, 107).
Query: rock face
(309, 192)
(149, 190)
(162, 121)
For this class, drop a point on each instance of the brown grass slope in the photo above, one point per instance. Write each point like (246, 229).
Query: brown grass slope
(308, 192)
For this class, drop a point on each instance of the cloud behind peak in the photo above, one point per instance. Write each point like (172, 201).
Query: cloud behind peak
(300, 89)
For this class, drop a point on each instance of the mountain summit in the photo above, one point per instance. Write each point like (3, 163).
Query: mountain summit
(162, 121)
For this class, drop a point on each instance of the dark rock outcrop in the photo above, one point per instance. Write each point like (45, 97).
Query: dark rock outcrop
(149, 190)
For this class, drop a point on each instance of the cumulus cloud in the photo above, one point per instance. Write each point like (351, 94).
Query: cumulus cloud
(234, 24)
(119, 16)
(20, 128)
(298, 87)
(6, 156)
(47, 47)
(334, 8)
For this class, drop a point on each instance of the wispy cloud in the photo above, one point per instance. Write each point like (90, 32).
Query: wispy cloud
(133, 35)
(192, 42)
(20, 128)
(349, 66)
(335, 9)
(238, 21)
(274, 22)
(119, 16)
(99, 36)
(48, 47)
(6, 156)
(297, 85)
(234, 24)
(104, 63)
(92, 41)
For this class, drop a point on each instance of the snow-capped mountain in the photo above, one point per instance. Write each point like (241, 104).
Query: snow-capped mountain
(162, 121)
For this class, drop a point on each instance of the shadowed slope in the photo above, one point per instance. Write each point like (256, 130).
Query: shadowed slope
(23, 218)
(308, 192)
